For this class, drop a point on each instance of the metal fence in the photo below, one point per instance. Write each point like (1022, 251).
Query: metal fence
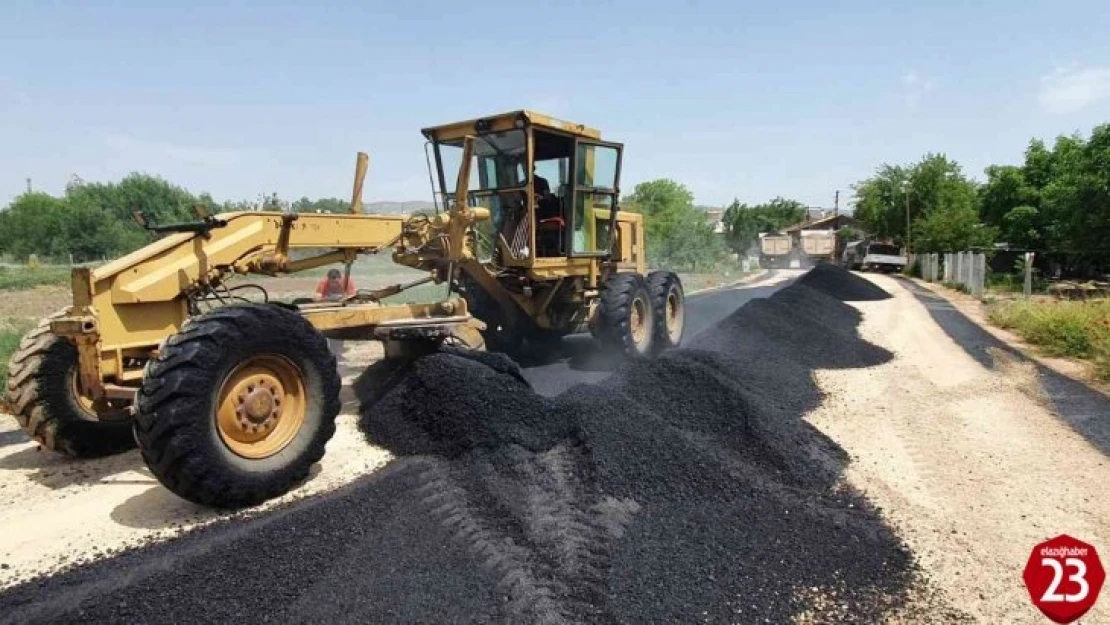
(968, 269)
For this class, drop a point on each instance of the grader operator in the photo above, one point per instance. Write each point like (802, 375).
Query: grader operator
(231, 398)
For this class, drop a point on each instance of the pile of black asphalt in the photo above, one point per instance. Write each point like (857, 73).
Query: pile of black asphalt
(683, 488)
(842, 285)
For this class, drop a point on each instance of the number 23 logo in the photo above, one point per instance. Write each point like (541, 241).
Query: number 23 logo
(1052, 594)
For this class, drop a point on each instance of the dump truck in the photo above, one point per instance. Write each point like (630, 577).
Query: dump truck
(819, 246)
(231, 397)
(868, 255)
(775, 250)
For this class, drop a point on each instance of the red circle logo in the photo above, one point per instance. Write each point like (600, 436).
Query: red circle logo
(1063, 577)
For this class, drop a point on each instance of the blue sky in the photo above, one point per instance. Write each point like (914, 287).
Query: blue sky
(734, 99)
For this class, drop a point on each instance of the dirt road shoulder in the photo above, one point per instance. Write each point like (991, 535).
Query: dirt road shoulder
(976, 311)
(974, 453)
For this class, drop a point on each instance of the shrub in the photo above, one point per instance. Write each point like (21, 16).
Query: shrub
(1077, 329)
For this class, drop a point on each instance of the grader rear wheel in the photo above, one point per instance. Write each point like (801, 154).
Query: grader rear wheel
(42, 387)
(238, 406)
(625, 319)
(669, 305)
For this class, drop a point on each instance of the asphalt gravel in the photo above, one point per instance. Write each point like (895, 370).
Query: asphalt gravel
(842, 285)
(685, 488)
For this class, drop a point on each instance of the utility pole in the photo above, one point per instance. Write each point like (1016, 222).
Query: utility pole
(906, 187)
(28, 185)
(836, 204)
(907, 221)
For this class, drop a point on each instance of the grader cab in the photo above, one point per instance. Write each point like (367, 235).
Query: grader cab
(556, 255)
(231, 397)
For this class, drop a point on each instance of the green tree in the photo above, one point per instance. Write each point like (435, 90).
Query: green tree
(951, 228)
(32, 224)
(929, 197)
(1075, 201)
(881, 200)
(677, 233)
(743, 223)
(1022, 227)
(1005, 189)
(153, 195)
(323, 205)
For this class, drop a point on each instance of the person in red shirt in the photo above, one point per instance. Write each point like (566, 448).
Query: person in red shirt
(332, 287)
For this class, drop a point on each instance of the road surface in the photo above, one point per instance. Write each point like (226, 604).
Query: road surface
(582, 361)
(58, 511)
(970, 452)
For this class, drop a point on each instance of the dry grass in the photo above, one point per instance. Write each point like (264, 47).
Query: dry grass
(1061, 328)
(19, 278)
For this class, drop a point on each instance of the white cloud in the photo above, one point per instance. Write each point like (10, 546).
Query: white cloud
(1069, 89)
(140, 149)
(915, 86)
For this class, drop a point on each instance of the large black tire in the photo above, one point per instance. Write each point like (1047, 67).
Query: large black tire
(42, 389)
(624, 317)
(668, 304)
(177, 425)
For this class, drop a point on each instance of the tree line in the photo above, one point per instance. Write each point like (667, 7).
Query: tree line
(92, 221)
(1057, 200)
(679, 235)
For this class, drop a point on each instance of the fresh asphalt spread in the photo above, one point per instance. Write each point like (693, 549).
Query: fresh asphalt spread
(685, 488)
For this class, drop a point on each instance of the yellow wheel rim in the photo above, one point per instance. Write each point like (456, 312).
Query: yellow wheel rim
(84, 402)
(93, 409)
(675, 315)
(639, 321)
(261, 406)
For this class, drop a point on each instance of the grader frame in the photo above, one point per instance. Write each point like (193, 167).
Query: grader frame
(231, 401)
(123, 310)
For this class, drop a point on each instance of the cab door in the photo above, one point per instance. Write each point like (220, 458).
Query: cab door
(597, 166)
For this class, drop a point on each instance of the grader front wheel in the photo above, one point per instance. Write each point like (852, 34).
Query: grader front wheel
(42, 388)
(238, 406)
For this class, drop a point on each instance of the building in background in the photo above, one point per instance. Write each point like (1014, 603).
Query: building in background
(714, 218)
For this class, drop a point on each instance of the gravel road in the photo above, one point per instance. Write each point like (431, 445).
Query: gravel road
(58, 512)
(681, 488)
(800, 462)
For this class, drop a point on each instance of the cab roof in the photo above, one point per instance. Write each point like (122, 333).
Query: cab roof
(506, 121)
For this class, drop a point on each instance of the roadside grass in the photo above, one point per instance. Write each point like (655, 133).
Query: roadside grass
(12, 330)
(19, 278)
(1079, 329)
(956, 286)
(1011, 283)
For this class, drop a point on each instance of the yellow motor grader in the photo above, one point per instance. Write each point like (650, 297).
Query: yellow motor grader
(231, 398)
